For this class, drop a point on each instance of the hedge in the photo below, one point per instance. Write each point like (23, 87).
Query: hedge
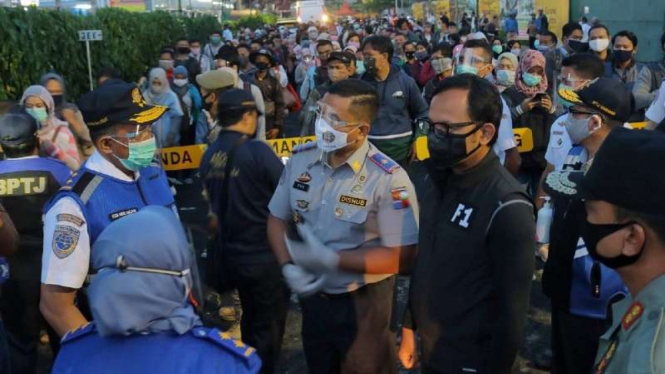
(34, 42)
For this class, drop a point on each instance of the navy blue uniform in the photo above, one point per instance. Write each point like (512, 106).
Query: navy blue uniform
(200, 350)
(242, 254)
(26, 184)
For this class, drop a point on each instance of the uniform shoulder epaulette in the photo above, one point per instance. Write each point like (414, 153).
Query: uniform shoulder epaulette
(303, 147)
(71, 335)
(226, 341)
(384, 162)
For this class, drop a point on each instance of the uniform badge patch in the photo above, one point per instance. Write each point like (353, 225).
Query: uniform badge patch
(400, 198)
(339, 212)
(66, 217)
(605, 361)
(304, 177)
(301, 186)
(117, 215)
(634, 313)
(65, 239)
(352, 200)
(302, 204)
(362, 178)
(357, 189)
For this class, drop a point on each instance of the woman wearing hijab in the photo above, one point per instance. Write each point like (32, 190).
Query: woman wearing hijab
(68, 112)
(167, 129)
(139, 298)
(505, 71)
(531, 107)
(55, 138)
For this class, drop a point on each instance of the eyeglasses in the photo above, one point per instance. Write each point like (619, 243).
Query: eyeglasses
(138, 135)
(326, 112)
(574, 82)
(443, 130)
(470, 60)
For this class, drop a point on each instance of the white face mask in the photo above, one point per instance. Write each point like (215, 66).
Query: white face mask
(180, 82)
(599, 45)
(327, 138)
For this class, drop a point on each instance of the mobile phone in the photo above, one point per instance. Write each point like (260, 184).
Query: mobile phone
(539, 96)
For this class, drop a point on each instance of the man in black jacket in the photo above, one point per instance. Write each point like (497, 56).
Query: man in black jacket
(239, 194)
(470, 288)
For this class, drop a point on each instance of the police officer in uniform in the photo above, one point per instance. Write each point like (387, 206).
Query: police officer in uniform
(27, 181)
(240, 176)
(470, 287)
(357, 227)
(581, 288)
(143, 321)
(118, 180)
(625, 230)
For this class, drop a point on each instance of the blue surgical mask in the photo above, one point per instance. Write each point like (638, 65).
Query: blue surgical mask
(505, 77)
(497, 49)
(360, 67)
(536, 43)
(40, 114)
(531, 80)
(466, 69)
(141, 154)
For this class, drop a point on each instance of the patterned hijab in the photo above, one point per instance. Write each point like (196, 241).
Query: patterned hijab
(530, 58)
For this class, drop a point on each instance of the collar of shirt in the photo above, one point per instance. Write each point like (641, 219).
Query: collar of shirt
(101, 165)
(355, 161)
(471, 177)
(652, 294)
(21, 158)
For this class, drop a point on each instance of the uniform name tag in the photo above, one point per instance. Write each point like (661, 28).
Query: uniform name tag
(301, 186)
(122, 213)
(65, 217)
(352, 200)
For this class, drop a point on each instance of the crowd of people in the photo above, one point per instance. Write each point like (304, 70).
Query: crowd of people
(98, 259)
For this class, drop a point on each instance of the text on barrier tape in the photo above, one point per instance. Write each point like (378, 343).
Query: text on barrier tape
(523, 139)
(189, 157)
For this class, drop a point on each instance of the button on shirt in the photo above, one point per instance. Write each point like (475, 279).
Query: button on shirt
(70, 271)
(354, 206)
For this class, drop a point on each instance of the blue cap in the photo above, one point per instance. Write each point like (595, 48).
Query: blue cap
(17, 129)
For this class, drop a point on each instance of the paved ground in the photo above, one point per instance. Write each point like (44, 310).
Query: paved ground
(193, 212)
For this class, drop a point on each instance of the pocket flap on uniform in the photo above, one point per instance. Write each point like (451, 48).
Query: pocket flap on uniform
(351, 214)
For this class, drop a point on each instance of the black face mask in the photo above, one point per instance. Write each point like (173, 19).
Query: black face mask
(410, 55)
(370, 66)
(622, 56)
(449, 151)
(183, 50)
(578, 46)
(207, 105)
(592, 234)
(262, 66)
(58, 100)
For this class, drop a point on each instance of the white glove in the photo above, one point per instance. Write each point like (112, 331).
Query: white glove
(311, 253)
(302, 282)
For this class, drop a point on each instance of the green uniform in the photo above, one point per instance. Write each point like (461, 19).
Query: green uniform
(635, 344)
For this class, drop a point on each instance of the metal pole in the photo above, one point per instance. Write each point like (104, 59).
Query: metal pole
(87, 49)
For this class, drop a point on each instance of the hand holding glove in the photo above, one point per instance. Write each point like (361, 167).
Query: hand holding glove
(311, 253)
(300, 281)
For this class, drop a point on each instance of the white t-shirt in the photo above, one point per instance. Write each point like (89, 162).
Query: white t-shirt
(559, 145)
(68, 268)
(656, 111)
(506, 139)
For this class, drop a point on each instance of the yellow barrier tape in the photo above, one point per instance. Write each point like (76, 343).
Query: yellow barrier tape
(523, 138)
(189, 157)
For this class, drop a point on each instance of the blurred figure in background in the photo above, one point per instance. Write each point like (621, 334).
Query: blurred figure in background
(55, 138)
(167, 130)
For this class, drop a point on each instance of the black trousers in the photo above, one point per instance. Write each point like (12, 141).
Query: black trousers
(264, 298)
(22, 320)
(574, 342)
(350, 333)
